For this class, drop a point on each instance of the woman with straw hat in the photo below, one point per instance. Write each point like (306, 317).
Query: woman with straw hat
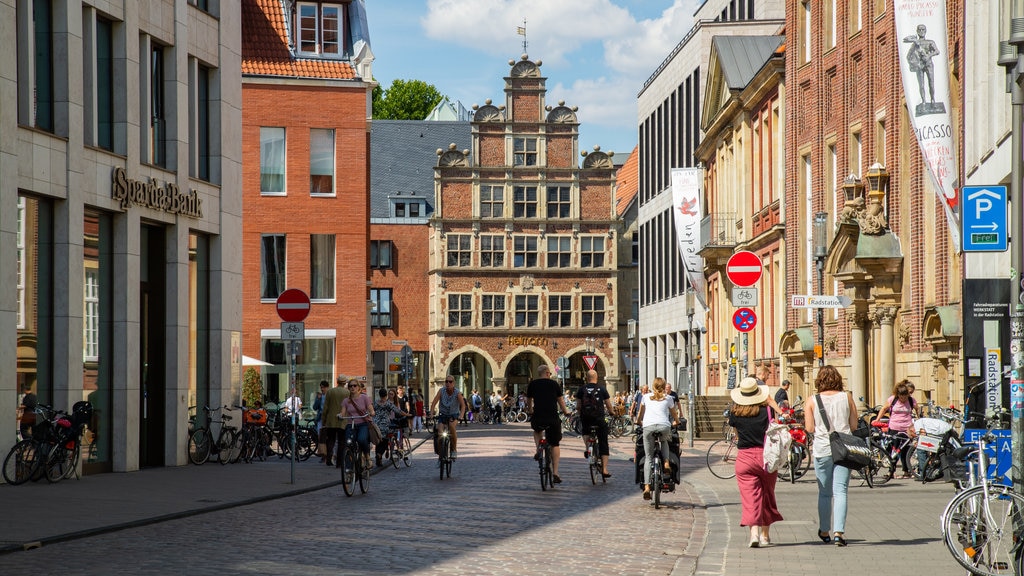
(749, 416)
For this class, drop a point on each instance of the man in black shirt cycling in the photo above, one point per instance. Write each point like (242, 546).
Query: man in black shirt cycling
(544, 399)
(604, 406)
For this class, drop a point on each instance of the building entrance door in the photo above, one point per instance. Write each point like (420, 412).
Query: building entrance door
(152, 364)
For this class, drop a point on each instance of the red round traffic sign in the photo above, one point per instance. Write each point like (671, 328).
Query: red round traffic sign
(744, 268)
(293, 305)
(744, 319)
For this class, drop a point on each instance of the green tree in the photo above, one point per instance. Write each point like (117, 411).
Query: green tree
(405, 100)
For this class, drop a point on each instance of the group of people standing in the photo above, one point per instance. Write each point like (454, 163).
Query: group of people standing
(830, 409)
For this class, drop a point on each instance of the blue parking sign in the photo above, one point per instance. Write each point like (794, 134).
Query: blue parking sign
(983, 217)
(998, 451)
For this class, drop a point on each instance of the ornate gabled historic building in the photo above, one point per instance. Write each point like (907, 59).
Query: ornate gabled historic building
(523, 258)
(883, 240)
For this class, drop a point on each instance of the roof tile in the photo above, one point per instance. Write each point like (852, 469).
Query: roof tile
(265, 46)
(627, 182)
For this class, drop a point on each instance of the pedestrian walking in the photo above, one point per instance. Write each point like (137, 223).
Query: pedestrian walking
(331, 426)
(749, 416)
(833, 403)
(417, 402)
(497, 406)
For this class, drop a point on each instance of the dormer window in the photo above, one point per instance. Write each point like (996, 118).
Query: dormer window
(320, 28)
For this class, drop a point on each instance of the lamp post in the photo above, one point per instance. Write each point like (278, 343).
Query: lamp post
(820, 252)
(674, 354)
(631, 332)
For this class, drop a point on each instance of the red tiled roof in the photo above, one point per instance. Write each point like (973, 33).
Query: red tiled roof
(627, 182)
(265, 46)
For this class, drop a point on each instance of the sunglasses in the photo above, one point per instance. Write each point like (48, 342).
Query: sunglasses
(449, 381)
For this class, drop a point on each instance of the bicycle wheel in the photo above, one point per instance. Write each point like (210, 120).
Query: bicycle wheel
(199, 445)
(448, 467)
(797, 461)
(21, 462)
(234, 453)
(406, 451)
(594, 462)
(348, 472)
(442, 454)
(881, 468)
(544, 468)
(305, 442)
(394, 452)
(364, 476)
(722, 459)
(522, 416)
(979, 530)
(58, 462)
(225, 445)
(245, 438)
(657, 477)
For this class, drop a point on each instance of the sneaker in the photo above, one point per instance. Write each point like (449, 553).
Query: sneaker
(586, 454)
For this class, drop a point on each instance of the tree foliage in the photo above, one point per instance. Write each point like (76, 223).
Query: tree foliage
(405, 100)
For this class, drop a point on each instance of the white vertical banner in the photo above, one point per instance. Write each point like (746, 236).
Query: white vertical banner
(687, 189)
(924, 66)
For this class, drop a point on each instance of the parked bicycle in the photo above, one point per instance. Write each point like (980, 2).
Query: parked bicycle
(63, 457)
(53, 449)
(798, 461)
(255, 436)
(982, 525)
(201, 443)
(721, 456)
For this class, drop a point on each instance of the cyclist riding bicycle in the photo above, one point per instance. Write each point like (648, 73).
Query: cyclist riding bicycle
(593, 400)
(452, 409)
(544, 399)
(359, 409)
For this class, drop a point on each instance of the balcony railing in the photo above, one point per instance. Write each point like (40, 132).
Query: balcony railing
(718, 230)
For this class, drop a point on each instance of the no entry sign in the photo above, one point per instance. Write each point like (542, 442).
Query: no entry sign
(293, 305)
(744, 268)
(744, 319)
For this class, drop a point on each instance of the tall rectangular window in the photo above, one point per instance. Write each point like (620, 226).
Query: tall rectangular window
(272, 265)
(558, 201)
(321, 266)
(460, 310)
(22, 256)
(856, 18)
(559, 311)
(526, 311)
(592, 312)
(492, 311)
(380, 316)
(829, 17)
(103, 83)
(157, 112)
(880, 140)
(380, 254)
(319, 29)
(524, 251)
(91, 315)
(492, 201)
(592, 251)
(272, 160)
(459, 249)
(559, 251)
(492, 250)
(804, 36)
(321, 161)
(524, 201)
(43, 40)
(202, 123)
(524, 151)
(855, 155)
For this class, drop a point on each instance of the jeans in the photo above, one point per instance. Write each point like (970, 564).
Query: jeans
(649, 431)
(833, 482)
(362, 436)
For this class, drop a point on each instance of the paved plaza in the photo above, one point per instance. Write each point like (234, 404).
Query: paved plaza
(491, 517)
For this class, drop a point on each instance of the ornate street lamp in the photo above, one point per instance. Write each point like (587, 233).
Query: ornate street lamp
(631, 333)
(820, 253)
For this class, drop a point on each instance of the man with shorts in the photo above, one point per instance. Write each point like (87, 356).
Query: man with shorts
(594, 417)
(452, 409)
(544, 400)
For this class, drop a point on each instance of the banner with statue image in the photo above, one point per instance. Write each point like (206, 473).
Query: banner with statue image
(924, 67)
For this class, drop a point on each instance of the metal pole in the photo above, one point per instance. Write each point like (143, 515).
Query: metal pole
(821, 313)
(291, 388)
(1017, 249)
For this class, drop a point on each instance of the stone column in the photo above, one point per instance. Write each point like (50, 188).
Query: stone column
(858, 359)
(883, 318)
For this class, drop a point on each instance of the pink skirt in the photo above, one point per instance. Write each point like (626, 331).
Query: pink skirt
(757, 489)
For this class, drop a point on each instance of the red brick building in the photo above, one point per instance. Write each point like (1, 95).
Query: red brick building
(523, 246)
(852, 156)
(306, 83)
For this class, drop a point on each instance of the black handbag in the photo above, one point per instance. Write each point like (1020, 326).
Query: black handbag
(847, 450)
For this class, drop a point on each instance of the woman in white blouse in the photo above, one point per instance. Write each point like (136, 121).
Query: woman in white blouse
(657, 414)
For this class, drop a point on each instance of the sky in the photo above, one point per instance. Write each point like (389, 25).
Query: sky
(595, 54)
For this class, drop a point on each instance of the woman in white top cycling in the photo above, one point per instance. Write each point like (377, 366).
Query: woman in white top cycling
(657, 414)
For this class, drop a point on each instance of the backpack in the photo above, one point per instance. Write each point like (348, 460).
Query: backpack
(777, 442)
(590, 402)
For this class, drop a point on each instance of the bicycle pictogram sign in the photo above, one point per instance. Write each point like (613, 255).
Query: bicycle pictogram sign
(744, 319)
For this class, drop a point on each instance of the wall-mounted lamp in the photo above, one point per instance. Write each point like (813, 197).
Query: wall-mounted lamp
(476, 229)
(500, 344)
(508, 229)
(575, 229)
(451, 345)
